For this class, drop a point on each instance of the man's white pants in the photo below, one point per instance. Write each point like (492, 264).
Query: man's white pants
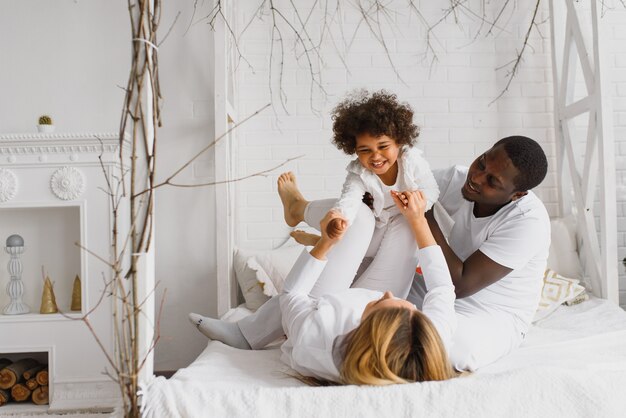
(390, 260)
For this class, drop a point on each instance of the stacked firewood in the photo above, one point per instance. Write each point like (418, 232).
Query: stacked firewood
(23, 380)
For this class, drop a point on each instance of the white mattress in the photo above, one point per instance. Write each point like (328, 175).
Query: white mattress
(573, 363)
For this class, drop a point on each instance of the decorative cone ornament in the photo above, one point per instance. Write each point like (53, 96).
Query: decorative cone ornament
(76, 302)
(48, 301)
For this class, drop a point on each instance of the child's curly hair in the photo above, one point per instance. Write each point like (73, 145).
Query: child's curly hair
(378, 113)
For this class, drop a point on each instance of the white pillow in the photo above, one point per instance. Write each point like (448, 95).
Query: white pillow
(252, 288)
(261, 273)
(556, 291)
(563, 255)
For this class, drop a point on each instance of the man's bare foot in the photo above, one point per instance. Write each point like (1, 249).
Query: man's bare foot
(293, 201)
(305, 238)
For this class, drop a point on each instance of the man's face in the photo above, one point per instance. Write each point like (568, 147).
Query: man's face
(490, 179)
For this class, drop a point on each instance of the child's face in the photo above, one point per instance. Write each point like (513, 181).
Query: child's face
(377, 154)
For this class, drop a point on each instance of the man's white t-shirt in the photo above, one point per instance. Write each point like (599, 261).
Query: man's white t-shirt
(517, 237)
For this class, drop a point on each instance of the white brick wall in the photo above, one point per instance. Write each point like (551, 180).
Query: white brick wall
(451, 101)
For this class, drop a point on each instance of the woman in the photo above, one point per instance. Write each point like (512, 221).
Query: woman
(361, 336)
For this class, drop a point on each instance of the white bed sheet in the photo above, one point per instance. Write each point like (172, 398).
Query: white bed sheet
(572, 363)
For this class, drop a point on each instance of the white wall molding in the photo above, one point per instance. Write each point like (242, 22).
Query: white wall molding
(67, 143)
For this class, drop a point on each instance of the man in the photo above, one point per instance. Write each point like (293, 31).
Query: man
(496, 250)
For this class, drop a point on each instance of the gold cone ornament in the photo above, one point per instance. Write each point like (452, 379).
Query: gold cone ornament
(48, 301)
(76, 302)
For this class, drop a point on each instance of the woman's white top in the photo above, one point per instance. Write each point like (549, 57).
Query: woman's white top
(312, 325)
(413, 173)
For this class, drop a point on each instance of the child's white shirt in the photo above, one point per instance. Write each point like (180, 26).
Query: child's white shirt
(413, 173)
(313, 326)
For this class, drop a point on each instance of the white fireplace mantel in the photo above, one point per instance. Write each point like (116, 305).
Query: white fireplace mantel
(51, 191)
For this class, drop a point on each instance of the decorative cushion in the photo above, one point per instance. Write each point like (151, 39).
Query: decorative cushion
(556, 291)
(261, 273)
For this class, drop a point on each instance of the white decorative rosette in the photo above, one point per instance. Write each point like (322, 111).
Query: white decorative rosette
(8, 185)
(67, 183)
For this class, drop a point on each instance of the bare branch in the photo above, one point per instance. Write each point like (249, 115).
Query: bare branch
(259, 174)
(170, 29)
(199, 153)
(373, 23)
(82, 247)
(511, 74)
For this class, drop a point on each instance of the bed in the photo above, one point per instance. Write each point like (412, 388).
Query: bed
(572, 363)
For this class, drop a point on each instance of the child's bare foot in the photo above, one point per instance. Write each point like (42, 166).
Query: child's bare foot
(293, 201)
(305, 238)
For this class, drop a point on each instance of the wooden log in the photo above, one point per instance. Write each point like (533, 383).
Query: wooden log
(42, 377)
(4, 396)
(30, 373)
(12, 374)
(20, 393)
(31, 383)
(40, 395)
(4, 362)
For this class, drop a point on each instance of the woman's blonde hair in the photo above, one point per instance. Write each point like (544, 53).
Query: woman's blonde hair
(394, 345)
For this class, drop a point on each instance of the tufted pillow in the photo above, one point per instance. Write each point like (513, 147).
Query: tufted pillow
(556, 291)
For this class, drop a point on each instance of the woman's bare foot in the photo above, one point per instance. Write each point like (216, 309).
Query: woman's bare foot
(305, 238)
(293, 201)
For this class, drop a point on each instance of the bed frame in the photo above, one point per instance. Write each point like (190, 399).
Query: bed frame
(585, 168)
(586, 176)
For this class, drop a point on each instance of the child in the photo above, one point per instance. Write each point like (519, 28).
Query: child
(380, 131)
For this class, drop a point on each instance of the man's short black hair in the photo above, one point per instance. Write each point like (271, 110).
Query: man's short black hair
(528, 157)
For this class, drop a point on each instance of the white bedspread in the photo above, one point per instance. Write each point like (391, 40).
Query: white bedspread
(572, 364)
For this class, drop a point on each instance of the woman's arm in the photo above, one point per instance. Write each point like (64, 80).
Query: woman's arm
(439, 300)
(412, 204)
(329, 238)
(309, 266)
(295, 303)
(438, 303)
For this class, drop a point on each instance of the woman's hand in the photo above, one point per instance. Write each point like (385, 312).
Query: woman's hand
(412, 204)
(333, 226)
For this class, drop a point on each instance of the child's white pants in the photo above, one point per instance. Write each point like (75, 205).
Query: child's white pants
(390, 265)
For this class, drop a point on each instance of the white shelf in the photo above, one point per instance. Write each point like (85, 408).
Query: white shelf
(36, 317)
